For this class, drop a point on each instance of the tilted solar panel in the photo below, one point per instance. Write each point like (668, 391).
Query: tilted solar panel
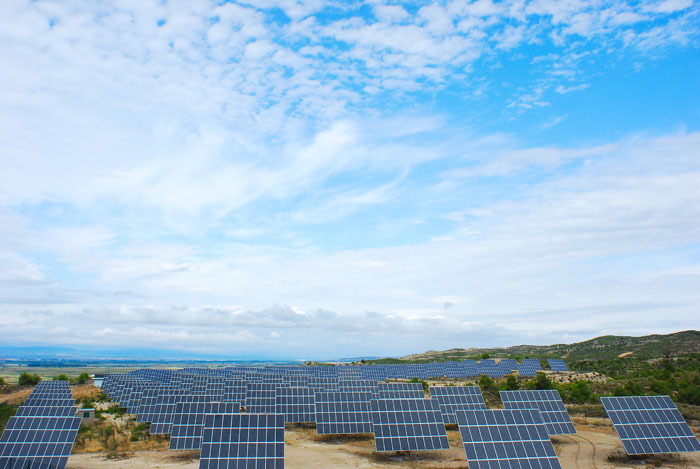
(400, 391)
(454, 398)
(557, 364)
(39, 402)
(408, 425)
(506, 439)
(29, 442)
(548, 402)
(69, 411)
(649, 425)
(188, 421)
(162, 417)
(242, 441)
(297, 404)
(260, 398)
(235, 391)
(343, 412)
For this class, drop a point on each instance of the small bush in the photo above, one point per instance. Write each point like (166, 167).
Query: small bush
(137, 432)
(61, 377)
(426, 387)
(25, 379)
(83, 378)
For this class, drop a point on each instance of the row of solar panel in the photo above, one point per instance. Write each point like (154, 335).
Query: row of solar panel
(42, 432)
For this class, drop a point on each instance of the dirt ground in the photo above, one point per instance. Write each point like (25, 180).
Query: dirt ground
(590, 448)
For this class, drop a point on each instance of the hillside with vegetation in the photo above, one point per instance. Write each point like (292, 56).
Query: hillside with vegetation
(601, 348)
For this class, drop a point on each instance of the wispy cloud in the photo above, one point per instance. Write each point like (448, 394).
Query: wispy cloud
(259, 173)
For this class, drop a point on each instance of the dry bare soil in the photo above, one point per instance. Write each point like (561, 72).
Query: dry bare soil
(590, 448)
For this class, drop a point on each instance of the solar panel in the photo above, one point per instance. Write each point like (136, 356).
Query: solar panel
(557, 364)
(408, 425)
(296, 404)
(453, 398)
(38, 441)
(235, 391)
(164, 410)
(260, 398)
(506, 438)
(649, 425)
(343, 412)
(242, 441)
(548, 402)
(400, 391)
(39, 402)
(324, 384)
(23, 411)
(360, 385)
(188, 420)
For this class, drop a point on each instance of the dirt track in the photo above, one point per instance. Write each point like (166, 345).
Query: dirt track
(589, 449)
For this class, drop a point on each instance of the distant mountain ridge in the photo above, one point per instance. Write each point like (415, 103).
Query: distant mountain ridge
(604, 347)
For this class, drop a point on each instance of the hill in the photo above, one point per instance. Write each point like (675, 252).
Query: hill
(600, 348)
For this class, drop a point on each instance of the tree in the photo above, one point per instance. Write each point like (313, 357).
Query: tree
(487, 384)
(485, 356)
(2, 381)
(25, 379)
(542, 382)
(512, 383)
(579, 392)
(83, 378)
(60, 377)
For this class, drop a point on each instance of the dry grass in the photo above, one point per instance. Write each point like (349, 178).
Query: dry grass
(85, 392)
(118, 437)
(342, 439)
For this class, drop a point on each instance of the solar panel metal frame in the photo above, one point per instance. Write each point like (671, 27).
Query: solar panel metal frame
(339, 412)
(548, 402)
(242, 441)
(408, 425)
(495, 438)
(650, 425)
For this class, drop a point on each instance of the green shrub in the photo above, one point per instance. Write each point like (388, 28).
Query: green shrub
(487, 384)
(25, 379)
(83, 378)
(426, 387)
(61, 377)
(511, 384)
(542, 382)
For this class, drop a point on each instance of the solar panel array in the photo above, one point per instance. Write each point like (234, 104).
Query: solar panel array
(506, 439)
(408, 425)
(343, 412)
(453, 398)
(557, 364)
(650, 425)
(342, 399)
(42, 433)
(242, 441)
(548, 402)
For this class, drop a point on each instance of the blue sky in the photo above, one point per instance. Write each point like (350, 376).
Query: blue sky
(319, 179)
